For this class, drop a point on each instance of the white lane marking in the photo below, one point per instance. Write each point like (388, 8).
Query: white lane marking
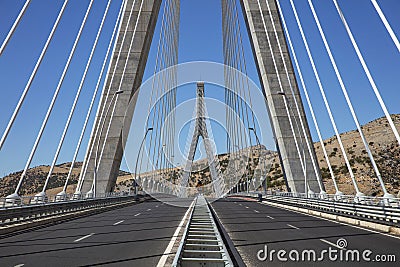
(157, 206)
(168, 250)
(256, 211)
(270, 217)
(247, 207)
(332, 244)
(148, 209)
(235, 202)
(329, 220)
(84, 237)
(240, 204)
(294, 227)
(137, 214)
(19, 265)
(118, 222)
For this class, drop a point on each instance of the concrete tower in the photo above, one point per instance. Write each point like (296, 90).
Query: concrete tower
(140, 32)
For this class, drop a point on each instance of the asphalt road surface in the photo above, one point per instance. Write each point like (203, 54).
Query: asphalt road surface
(252, 225)
(131, 236)
(139, 234)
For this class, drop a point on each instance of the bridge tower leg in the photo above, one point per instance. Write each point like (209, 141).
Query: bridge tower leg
(141, 27)
(254, 12)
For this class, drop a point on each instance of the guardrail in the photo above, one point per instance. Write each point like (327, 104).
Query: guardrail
(26, 212)
(373, 209)
(22, 201)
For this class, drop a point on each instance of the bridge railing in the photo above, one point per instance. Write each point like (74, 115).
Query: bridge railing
(27, 210)
(366, 200)
(374, 209)
(23, 201)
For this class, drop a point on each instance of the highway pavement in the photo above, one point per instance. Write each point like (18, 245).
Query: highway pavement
(252, 226)
(136, 235)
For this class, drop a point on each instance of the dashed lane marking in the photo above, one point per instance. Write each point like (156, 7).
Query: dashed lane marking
(294, 227)
(84, 237)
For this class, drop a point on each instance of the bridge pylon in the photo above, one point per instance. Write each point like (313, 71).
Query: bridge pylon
(200, 130)
(271, 55)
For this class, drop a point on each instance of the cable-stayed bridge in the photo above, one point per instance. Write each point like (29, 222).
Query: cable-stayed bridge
(153, 127)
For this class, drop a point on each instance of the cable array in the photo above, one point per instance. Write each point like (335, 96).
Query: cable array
(239, 115)
(160, 146)
(304, 87)
(42, 195)
(342, 86)
(159, 153)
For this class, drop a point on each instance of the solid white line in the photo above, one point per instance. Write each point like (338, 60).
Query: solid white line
(293, 226)
(164, 257)
(256, 211)
(118, 222)
(137, 214)
(329, 220)
(86, 236)
(19, 265)
(332, 244)
(270, 217)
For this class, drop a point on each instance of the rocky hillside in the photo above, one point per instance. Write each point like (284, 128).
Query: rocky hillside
(385, 150)
(35, 178)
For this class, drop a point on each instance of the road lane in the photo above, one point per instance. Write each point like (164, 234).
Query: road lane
(139, 239)
(280, 229)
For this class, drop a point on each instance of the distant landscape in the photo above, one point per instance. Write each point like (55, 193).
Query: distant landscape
(381, 140)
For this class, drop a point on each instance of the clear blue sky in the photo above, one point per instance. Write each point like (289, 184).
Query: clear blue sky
(200, 39)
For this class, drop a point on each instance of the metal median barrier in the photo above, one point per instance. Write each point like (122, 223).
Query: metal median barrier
(372, 209)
